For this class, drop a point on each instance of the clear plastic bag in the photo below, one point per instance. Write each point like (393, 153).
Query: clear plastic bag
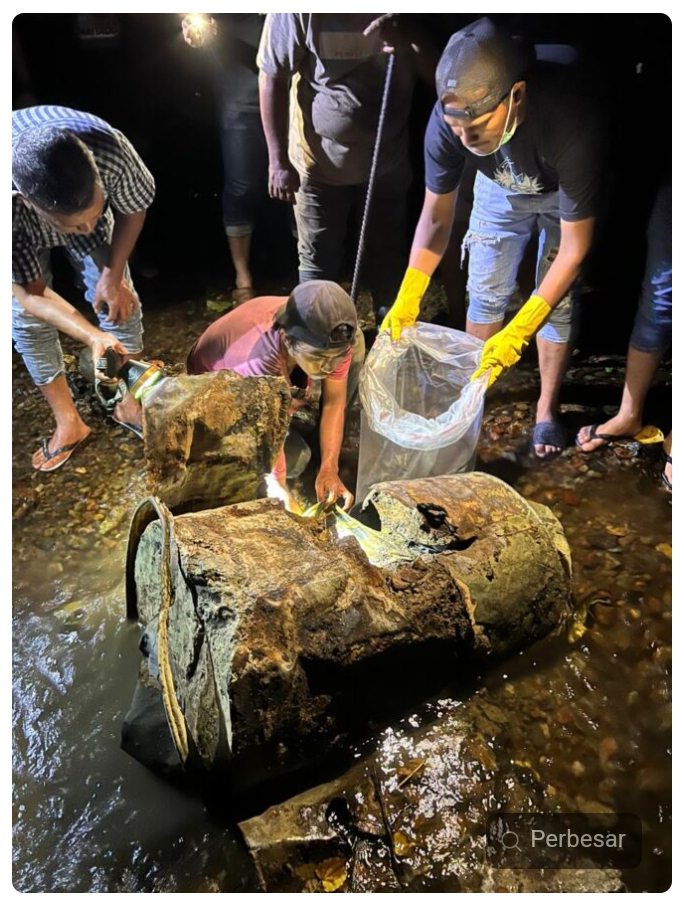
(421, 415)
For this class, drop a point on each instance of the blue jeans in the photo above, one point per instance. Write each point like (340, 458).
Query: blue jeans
(245, 170)
(652, 332)
(38, 342)
(501, 225)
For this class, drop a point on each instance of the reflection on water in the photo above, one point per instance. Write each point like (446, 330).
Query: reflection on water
(86, 816)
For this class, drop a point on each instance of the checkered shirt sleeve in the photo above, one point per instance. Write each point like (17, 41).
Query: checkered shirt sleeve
(25, 264)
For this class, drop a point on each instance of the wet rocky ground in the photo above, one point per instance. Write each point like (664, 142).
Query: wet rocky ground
(586, 719)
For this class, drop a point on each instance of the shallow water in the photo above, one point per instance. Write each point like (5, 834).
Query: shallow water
(86, 816)
(573, 724)
(591, 718)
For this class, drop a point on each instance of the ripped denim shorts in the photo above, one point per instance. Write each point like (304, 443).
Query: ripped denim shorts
(501, 225)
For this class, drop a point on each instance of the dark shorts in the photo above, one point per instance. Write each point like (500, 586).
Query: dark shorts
(652, 331)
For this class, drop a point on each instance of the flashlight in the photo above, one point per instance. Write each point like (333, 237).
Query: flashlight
(138, 376)
(200, 28)
(197, 21)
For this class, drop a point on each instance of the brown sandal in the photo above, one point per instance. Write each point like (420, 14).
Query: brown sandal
(241, 295)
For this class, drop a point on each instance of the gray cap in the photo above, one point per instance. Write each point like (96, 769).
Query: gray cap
(319, 313)
(479, 66)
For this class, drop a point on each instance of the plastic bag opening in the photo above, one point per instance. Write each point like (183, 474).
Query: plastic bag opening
(417, 392)
(421, 415)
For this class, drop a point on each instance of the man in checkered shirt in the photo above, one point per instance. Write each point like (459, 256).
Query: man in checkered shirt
(77, 183)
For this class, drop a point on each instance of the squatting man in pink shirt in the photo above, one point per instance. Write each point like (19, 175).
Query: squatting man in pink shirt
(310, 335)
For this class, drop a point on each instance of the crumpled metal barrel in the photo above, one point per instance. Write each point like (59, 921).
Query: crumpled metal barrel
(282, 639)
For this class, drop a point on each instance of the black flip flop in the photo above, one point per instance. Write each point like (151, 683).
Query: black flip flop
(554, 434)
(663, 477)
(606, 437)
(67, 450)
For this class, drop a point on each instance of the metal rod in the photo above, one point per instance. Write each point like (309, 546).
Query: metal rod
(371, 178)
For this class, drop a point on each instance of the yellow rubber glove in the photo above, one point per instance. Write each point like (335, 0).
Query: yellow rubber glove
(505, 348)
(405, 310)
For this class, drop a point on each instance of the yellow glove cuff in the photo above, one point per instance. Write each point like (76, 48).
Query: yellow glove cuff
(530, 317)
(414, 284)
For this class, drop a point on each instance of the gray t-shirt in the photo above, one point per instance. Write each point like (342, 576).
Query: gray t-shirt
(338, 76)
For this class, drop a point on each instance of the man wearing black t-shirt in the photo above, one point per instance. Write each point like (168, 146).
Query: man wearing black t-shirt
(534, 150)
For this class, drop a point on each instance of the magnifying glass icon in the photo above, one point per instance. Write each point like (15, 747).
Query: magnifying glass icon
(510, 840)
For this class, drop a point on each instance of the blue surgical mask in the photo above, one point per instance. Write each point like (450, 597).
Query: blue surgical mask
(506, 135)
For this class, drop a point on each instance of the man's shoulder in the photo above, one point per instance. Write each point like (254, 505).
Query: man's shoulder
(19, 206)
(255, 314)
(59, 116)
(436, 119)
(438, 135)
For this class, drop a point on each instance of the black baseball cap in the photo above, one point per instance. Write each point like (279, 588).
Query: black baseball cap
(479, 66)
(319, 313)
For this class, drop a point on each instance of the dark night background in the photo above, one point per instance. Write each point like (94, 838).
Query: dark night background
(147, 82)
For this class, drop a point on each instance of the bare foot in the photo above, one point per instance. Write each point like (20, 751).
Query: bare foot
(616, 426)
(65, 435)
(128, 411)
(243, 281)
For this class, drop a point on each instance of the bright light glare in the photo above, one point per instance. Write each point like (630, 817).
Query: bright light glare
(276, 491)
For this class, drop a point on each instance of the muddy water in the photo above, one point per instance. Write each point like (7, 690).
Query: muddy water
(606, 739)
(591, 718)
(586, 717)
(86, 816)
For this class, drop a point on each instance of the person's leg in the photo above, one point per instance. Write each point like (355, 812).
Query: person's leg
(483, 331)
(70, 428)
(297, 453)
(499, 229)
(321, 212)
(356, 365)
(652, 332)
(129, 332)
(554, 340)
(553, 363)
(641, 367)
(38, 344)
(240, 246)
(245, 162)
